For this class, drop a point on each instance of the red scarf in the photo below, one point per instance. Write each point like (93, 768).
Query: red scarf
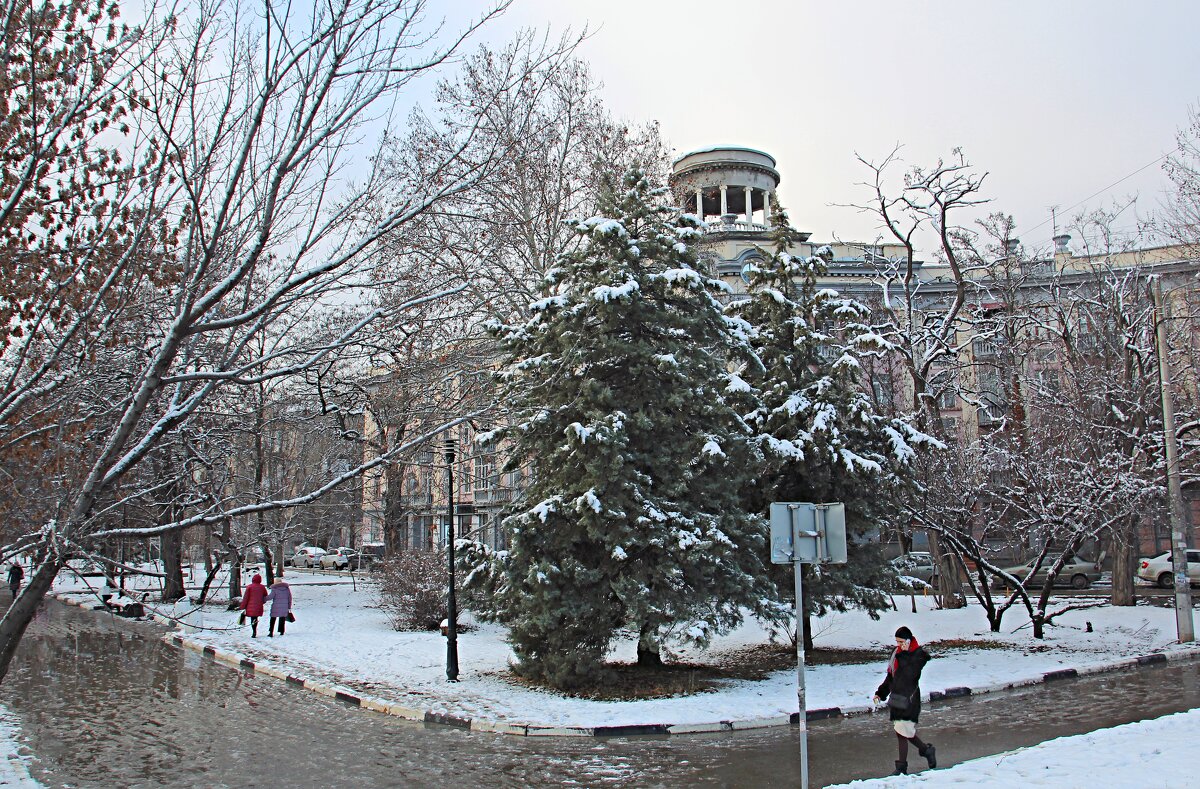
(912, 647)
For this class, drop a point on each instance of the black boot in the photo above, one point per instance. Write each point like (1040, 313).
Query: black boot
(901, 768)
(930, 754)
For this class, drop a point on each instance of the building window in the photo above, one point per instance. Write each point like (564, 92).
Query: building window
(944, 389)
(1048, 382)
(499, 535)
(485, 471)
(881, 388)
(419, 538)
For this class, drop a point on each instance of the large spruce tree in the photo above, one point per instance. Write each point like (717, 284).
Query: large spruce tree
(618, 388)
(819, 432)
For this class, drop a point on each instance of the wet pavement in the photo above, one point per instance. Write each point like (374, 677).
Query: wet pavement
(103, 702)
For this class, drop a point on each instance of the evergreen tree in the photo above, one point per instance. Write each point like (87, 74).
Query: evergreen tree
(618, 385)
(819, 433)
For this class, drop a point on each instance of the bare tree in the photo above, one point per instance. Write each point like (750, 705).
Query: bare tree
(565, 149)
(1103, 321)
(498, 239)
(1179, 219)
(240, 217)
(922, 324)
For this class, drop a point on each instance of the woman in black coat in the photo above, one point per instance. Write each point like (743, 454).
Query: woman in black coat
(902, 689)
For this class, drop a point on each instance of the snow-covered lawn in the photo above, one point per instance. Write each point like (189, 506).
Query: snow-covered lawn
(1153, 753)
(342, 638)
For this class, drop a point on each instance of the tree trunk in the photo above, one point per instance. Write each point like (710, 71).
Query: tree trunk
(208, 551)
(1123, 560)
(269, 560)
(110, 572)
(393, 509)
(808, 638)
(209, 575)
(172, 556)
(235, 561)
(648, 655)
(22, 611)
(949, 583)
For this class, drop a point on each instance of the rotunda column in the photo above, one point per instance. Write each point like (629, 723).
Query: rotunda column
(749, 205)
(700, 203)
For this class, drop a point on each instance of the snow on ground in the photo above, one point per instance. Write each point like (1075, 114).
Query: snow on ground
(13, 767)
(1153, 753)
(341, 637)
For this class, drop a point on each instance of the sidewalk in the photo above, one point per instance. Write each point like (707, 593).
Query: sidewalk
(14, 769)
(1147, 753)
(342, 646)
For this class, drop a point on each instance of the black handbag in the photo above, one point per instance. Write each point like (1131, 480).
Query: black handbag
(898, 702)
(242, 618)
(291, 617)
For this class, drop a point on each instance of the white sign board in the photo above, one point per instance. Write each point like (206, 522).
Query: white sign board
(808, 533)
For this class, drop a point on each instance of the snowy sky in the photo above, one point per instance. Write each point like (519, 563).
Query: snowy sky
(1057, 100)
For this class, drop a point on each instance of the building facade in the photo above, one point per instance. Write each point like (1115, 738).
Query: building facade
(732, 190)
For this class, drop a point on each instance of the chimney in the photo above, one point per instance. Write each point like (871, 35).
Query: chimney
(1062, 244)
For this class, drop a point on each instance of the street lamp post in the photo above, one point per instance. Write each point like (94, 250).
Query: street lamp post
(451, 602)
(1184, 625)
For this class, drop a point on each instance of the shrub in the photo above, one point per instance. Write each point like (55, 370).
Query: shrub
(412, 589)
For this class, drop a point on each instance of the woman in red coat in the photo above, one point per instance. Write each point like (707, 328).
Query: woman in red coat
(252, 602)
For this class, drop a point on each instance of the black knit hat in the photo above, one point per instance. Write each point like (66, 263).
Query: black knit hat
(904, 632)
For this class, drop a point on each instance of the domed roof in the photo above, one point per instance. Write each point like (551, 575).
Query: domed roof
(752, 167)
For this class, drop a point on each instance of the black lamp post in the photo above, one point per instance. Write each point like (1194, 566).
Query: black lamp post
(451, 602)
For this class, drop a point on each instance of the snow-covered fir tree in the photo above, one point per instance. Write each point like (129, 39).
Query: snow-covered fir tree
(821, 436)
(618, 388)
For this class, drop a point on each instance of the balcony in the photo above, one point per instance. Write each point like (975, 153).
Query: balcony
(991, 412)
(493, 495)
(985, 348)
(728, 224)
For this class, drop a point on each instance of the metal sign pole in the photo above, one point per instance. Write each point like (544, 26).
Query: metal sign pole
(799, 568)
(820, 539)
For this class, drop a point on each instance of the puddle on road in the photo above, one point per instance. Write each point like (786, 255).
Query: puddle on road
(103, 703)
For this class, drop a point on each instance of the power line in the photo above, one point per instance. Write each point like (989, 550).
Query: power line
(1105, 189)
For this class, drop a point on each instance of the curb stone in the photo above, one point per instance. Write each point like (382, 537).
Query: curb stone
(348, 696)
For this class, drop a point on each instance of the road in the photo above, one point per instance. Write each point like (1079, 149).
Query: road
(103, 702)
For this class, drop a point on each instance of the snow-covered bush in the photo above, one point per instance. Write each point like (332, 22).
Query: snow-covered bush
(412, 589)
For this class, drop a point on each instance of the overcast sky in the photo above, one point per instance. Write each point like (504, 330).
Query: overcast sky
(1056, 100)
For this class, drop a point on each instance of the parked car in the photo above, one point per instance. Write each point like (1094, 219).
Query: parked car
(307, 556)
(916, 564)
(339, 559)
(1075, 573)
(369, 555)
(1157, 570)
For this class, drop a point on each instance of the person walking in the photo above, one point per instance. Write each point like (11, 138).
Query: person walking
(281, 604)
(252, 602)
(16, 574)
(902, 689)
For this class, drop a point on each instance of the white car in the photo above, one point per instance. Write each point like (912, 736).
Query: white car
(1157, 570)
(307, 556)
(339, 559)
